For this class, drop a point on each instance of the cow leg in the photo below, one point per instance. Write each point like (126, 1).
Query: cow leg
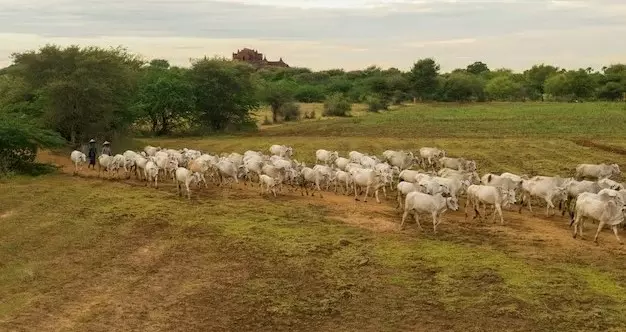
(616, 236)
(499, 209)
(600, 225)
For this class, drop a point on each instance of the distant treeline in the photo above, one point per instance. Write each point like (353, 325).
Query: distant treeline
(85, 92)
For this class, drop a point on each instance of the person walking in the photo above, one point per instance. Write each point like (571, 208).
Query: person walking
(92, 153)
(106, 148)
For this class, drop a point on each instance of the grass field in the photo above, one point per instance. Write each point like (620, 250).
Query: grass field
(88, 254)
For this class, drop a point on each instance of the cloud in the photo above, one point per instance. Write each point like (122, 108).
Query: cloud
(330, 33)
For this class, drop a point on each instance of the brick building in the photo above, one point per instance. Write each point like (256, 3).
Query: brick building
(257, 59)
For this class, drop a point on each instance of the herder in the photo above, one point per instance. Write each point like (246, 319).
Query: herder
(106, 148)
(92, 154)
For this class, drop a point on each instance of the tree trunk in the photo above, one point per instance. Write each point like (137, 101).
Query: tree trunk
(274, 114)
(165, 128)
(73, 136)
(155, 125)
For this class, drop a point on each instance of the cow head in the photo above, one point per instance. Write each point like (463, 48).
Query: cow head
(615, 169)
(452, 203)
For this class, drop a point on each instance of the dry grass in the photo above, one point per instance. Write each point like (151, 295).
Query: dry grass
(85, 254)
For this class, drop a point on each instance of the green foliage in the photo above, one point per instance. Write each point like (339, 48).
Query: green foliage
(570, 85)
(337, 105)
(423, 78)
(536, 78)
(376, 103)
(20, 139)
(462, 87)
(165, 97)
(225, 94)
(477, 68)
(504, 87)
(290, 111)
(81, 92)
(276, 94)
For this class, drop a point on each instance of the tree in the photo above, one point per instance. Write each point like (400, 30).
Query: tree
(337, 105)
(571, 84)
(613, 91)
(82, 92)
(504, 87)
(165, 96)
(20, 138)
(536, 78)
(277, 94)
(462, 87)
(423, 78)
(224, 93)
(477, 68)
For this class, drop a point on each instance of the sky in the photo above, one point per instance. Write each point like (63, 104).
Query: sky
(325, 34)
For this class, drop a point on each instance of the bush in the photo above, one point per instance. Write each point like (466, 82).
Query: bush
(266, 121)
(376, 103)
(19, 141)
(337, 105)
(290, 112)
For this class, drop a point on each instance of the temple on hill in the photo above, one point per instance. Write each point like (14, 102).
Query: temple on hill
(258, 59)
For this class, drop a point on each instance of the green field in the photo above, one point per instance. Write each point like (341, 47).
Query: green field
(87, 254)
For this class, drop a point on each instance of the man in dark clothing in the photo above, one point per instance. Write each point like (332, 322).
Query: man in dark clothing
(106, 148)
(92, 154)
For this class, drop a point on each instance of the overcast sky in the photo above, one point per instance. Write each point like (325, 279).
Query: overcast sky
(322, 34)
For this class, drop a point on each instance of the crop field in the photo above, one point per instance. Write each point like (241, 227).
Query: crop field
(81, 253)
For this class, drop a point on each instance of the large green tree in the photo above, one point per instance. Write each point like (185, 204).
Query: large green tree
(504, 87)
(82, 92)
(224, 93)
(423, 78)
(165, 96)
(536, 78)
(277, 94)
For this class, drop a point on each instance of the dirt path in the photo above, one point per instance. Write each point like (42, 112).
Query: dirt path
(523, 232)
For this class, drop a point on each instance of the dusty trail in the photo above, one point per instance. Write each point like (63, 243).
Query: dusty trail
(526, 232)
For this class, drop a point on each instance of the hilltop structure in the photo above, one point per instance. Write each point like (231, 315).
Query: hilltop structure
(258, 59)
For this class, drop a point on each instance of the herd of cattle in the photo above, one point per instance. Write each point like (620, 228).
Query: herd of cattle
(432, 190)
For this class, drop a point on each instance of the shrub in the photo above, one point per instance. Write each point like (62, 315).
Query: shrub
(266, 121)
(376, 103)
(19, 141)
(337, 105)
(290, 112)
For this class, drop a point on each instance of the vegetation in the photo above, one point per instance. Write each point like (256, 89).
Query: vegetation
(296, 263)
(337, 105)
(20, 139)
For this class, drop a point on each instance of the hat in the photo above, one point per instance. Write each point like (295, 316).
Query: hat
(92, 140)
(106, 143)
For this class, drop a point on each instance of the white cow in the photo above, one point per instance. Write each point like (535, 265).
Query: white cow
(355, 156)
(542, 187)
(404, 188)
(368, 178)
(417, 202)
(604, 208)
(599, 171)
(342, 163)
(268, 183)
(105, 161)
(186, 177)
(488, 195)
(431, 155)
(610, 184)
(325, 156)
(78, 158)
(402, 160)
(281, 150)
(511, 187)
(151, 172)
